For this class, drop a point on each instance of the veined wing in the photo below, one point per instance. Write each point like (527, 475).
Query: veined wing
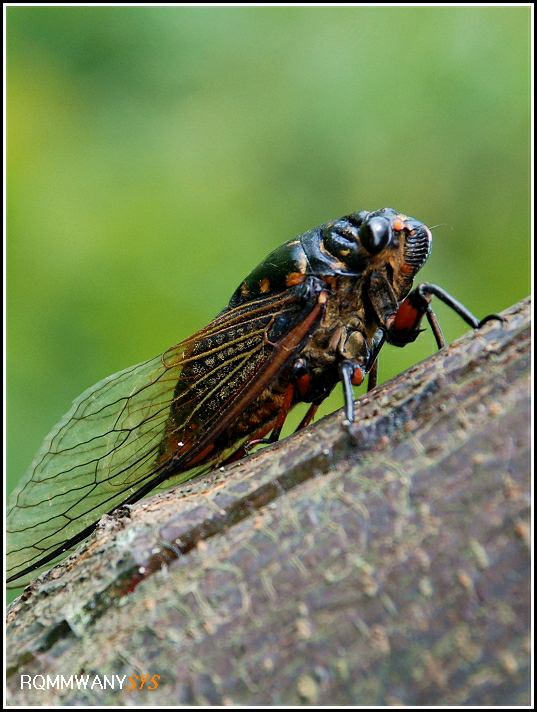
(103, 450)
(136, 429)
(98, 453)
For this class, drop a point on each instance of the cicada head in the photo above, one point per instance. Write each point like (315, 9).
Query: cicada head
(366, 241)
(402, 249)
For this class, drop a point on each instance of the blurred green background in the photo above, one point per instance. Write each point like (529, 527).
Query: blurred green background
(157, 154)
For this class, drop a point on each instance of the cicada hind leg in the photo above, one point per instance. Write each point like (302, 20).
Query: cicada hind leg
(404, 326)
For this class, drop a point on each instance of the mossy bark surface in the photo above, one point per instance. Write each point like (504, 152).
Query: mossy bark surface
(390, 567)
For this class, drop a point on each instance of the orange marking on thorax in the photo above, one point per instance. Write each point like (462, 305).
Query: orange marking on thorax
(294, 278)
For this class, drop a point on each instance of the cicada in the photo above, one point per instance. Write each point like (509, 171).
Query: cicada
(315, 312)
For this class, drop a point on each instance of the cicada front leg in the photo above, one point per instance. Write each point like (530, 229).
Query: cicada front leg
(352, 374)
(404, 326)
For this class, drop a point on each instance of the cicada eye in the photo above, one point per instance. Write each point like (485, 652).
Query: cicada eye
(375, 234)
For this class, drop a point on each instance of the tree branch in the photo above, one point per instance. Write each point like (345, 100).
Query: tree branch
(387, 568)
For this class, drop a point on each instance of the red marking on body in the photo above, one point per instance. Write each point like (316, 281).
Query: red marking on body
(406, 318)
(357, 377)
(303, 384)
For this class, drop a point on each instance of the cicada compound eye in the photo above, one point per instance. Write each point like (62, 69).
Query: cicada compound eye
(375, 234)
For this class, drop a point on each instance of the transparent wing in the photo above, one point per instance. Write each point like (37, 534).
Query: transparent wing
(92, 460)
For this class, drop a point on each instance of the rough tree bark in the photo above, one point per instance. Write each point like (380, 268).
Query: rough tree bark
(392, 568)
